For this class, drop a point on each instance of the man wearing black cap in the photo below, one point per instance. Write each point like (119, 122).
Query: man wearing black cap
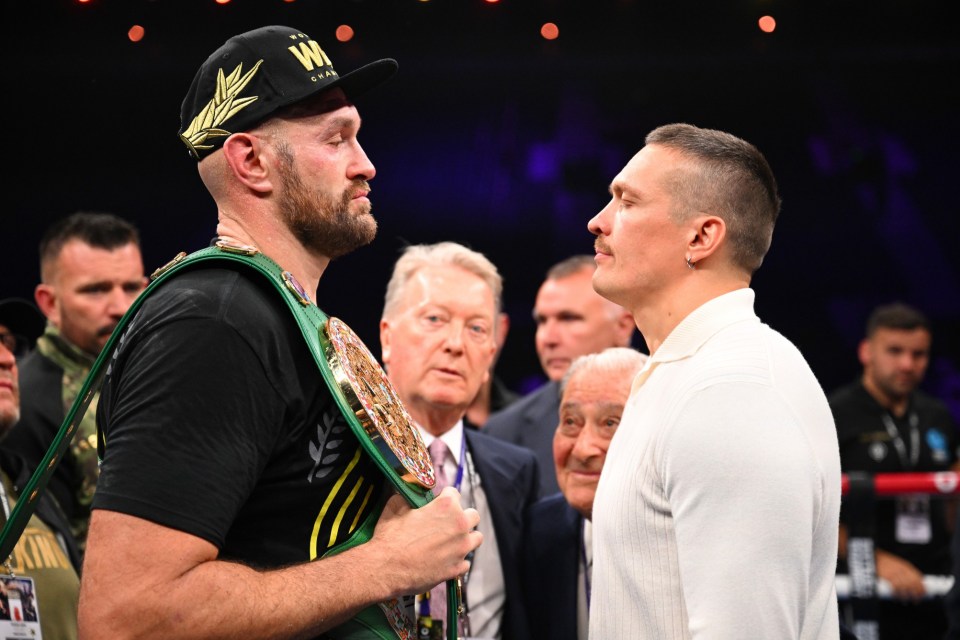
(45, 560)
(225, 456)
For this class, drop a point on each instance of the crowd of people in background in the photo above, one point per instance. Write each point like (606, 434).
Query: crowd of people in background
(692, 491)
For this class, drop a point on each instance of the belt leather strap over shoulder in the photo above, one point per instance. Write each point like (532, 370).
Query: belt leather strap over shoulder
(363, 394)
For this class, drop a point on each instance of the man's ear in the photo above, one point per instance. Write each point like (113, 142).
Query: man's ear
(384, 342)
(46, 297)
(863, 352)
(502, 329)
(626, 325)
(246, 155)
(707, 235)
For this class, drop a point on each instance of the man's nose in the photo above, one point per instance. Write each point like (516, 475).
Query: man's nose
(549, 331)
(588, 443)
(453, 340)
(119, 302)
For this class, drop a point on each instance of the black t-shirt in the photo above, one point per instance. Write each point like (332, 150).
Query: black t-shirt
(867, 443)
(217, 422)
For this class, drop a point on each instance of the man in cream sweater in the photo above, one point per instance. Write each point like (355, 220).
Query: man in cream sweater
(716, 515)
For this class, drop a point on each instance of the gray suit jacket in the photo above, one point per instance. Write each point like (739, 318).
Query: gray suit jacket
(530, 422)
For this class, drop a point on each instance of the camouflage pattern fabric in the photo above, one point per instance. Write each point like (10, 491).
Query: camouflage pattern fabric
(82, 456)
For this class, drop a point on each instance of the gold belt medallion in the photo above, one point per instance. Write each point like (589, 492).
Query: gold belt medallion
(376, 405)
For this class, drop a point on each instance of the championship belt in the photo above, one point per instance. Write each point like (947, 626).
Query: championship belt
(359, 386)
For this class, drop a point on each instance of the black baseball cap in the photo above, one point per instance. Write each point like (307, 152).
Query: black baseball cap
(22, 318)
(255, 73)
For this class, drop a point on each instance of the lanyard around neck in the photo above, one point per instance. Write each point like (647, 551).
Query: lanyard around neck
(909, 461)
(461, 463)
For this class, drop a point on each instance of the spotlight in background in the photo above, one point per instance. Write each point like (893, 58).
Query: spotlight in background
(550, 31)
(767, 24)
(136, 33)
(344, 33)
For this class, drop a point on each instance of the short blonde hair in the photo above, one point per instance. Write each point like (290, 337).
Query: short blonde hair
(451, 254)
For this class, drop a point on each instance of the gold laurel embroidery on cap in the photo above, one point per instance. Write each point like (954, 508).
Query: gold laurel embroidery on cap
(221, 108)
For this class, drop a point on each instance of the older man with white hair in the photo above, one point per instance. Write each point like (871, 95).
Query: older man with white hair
(557, 553)
(437, 335)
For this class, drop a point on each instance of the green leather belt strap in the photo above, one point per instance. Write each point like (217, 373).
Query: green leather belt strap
(312, 322)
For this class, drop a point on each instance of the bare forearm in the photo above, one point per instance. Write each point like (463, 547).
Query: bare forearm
(144, 580)
(218, 599)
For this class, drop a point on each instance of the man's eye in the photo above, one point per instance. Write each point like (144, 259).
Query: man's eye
(96, 289)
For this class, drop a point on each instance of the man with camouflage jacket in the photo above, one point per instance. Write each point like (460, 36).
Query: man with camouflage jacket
(91, 272)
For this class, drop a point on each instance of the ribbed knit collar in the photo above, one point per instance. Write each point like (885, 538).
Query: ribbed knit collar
(698, 327)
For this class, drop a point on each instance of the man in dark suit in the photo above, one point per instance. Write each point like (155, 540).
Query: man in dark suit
(556, 548)
(437, 339)
(572, 320)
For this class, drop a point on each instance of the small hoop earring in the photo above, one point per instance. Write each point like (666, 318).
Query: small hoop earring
(691, 264)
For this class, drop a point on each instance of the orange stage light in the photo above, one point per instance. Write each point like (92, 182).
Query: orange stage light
(767, 24)
(136, 33)
(344, 33)
(550, 31)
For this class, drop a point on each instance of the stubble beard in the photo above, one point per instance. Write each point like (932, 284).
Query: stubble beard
(323, 222)
(895, 390)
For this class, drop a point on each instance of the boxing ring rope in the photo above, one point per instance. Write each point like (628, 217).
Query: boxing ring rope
(935, 586)
(894, 484)
(861, 588)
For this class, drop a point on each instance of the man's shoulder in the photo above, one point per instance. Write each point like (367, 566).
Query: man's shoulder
(41, 403)
(35, 368)
(745, 350)
(227, 293)
(936, 417)
(213, 282)
(552, 517)
(507, 467)
(852, 400)
(530, 406)
(924, 401)
(481, 441)
(554, 506)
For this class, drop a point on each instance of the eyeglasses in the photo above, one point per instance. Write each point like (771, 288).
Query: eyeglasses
(16, 344)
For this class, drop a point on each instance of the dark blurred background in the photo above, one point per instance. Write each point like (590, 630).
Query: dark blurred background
(495, 137)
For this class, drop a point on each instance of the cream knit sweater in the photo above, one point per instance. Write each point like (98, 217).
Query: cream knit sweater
(716, 514)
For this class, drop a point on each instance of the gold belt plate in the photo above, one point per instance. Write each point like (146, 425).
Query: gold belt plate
(376, 405)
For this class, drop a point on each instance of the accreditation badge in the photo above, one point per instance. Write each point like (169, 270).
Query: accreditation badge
(913, 519)
(19, 612)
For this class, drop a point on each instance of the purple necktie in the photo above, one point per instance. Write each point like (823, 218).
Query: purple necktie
(439, 452)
